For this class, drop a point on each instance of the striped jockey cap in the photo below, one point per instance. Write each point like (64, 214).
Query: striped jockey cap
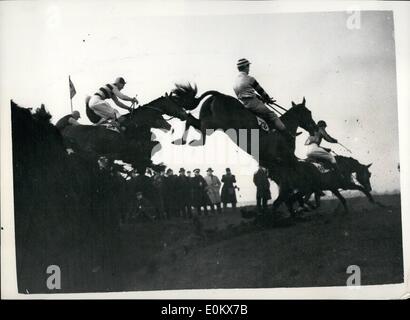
(242, 62)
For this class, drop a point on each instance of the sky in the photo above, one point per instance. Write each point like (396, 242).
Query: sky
(347, 75)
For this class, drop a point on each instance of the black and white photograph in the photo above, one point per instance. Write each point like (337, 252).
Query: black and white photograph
(174, 148)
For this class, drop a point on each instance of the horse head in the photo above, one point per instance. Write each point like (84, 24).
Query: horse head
(171, 107)
(363, 176)
(303, 116)
(150, 115)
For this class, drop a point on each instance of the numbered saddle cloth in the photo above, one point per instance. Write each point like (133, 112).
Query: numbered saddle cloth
(110, 126)
(262, 124)
(321, 167)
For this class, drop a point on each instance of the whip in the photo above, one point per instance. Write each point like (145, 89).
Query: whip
(348, 150)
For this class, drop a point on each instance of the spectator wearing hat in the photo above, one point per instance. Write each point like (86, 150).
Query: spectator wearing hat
(199, 194)
(140, 181)
(183, 194)
(170, 194)
(261, 181)
(228, 194)
(214, 185)
(190, 187)
(102, 108)
(143, 208)
(158, 180)
(68, 120)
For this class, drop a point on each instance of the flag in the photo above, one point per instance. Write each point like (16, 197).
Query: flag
(72, 89)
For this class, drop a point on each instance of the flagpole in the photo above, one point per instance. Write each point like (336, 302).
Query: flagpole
(71, 98)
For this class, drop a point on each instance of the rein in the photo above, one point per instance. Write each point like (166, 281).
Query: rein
(274, 109)
(132, 107)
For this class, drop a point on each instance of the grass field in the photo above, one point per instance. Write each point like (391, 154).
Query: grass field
(227, 251)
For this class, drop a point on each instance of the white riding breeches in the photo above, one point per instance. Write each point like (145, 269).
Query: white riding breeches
(102, 108)
(316, 152)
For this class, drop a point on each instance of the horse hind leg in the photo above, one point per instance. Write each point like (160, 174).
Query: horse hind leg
(205, 131)
(183, 139)
(282, 197)
(198, 142)
(342, 200)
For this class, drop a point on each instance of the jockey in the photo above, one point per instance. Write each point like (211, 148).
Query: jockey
(320, 153)
(253, 97)
(68, 120)
(110, 91)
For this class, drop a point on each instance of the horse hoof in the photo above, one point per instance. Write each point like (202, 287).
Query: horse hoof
(178, 142)
(195, 143)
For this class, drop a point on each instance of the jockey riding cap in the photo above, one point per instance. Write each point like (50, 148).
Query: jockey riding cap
(120, 80)
(321, 123)
(242, 62)
(75, 113)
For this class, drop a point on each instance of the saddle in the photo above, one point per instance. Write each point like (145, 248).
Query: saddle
(322, 166)
(110, 126)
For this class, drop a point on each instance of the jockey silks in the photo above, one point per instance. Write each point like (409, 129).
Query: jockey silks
(105, 92)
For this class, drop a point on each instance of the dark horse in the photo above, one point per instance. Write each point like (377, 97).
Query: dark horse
(307, 179)
(330, 180)
(224, 112)
(133, 145)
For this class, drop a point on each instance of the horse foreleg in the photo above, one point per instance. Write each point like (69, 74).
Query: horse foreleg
(282, 197)
(341, 198)
(317, 198)
(289, 205)
(363, 190)
(368, 195)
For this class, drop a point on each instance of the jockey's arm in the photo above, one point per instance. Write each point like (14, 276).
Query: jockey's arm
(326, 136)
(120, 104)
(260, 91)
(122, 96)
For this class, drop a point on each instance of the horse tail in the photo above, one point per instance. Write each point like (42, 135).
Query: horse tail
(92, 116)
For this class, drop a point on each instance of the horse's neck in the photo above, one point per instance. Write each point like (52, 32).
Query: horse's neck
(290, 120)
(347, 164)
(151, 108)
